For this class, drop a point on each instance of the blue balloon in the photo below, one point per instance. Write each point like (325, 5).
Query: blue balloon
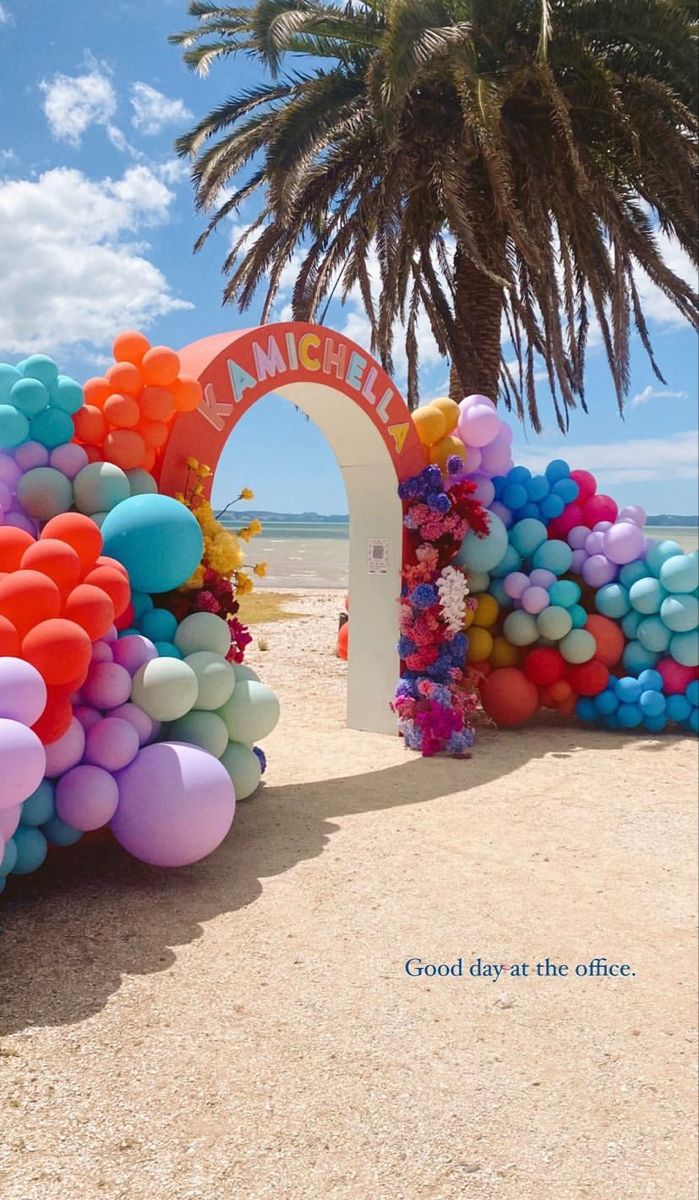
(694, 720)
(529, 510)
(167, 650)
(678, 708)
(655, 724)
(628, 690)
(499, 483)
(654, 635)
(565, 592)
(585, 709)
(59, 833)
(652, 704)
(52, 428)
(557, 469)
(658, 552)
(39, 808)
(612, 600)
(520, 475)
(538, 487)
(636, 658)
(606, 702)
(632, 572)
(630, 624)
(551, 507)
(629, 716)
(554, 556)
(692, 692)
(612, 721)
(527, 535)
(160, 625)
(9, 858)
(159, 541)
(510, 561)
(651, 681)
(514, 496)
(567, 489)
(684, 648)
(578, 616)
(141, 603)
(14, 427)
(32, 849)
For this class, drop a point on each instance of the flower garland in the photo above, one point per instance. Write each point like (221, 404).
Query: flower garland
(436, 694)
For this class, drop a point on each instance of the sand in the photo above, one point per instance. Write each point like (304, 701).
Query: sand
(245, 1027)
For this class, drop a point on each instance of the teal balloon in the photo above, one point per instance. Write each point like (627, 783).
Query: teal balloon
(520, 628)
(30, 397)
(59, 833)
(204, 729)
(606, 702)
(578, 646)
(527, 535)
(481, 554)
(680, 613)
(632, 572)
(9, 858)
(652, 703)
(66, 394)
(157, 539)
(14, 427)
(680, 573)
(32, 849)
(41, 367)
(578, 615)
(646, 595)
(243, 767)
(629, 716)
(678, 708)
(39, 808)
(636, 658)
(52, 428)
(497, 590)
(99, 487)
(160, 625)
(684, 648)
(612, 600)
(658, 552)
(653, 634)
(167, 650)
(655, 724)
(553, 556)
(630, 624)
(141, 603)
(44, 493)
(651, 681)
(9, 376)
(510, 561)
(554, 623)
(565, 592)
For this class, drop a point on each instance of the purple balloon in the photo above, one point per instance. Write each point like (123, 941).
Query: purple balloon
(102, 652)
(516, 584)
(502, 512)
(87, 797)
(176, 805)
(111, 635)
(623, 543)
(111, 743)
(22, 692)
(67, 751)
(603, 526)
(635, 514)
(485, 491)
(472, 459)
(20, 521)
(598, 570)
(30, 455)
(5, 498)
(542, 578)
(9, 820)
(577, 537)
(133, 651)
(478, 425)
(107, 685)
(535, 600)
(473, 399)
(69, 459)
(22, 762)
(142, 723)
(10, 473)
(594, 543)
(505, 434)
(580, 557)
(87, 716)
(496, 459)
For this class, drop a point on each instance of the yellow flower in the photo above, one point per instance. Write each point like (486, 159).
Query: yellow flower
(198, 489)
(192, 463)
(181, 497)
(247, 494)
(244, 534)
(204, 471)
(243, 583)
(255, 527)
(260, 569)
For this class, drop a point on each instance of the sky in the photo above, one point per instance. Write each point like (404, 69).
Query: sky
(97, 225)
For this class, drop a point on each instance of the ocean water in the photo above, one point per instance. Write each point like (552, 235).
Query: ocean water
(308, 555)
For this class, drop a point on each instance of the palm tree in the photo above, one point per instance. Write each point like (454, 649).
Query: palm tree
(509, 163)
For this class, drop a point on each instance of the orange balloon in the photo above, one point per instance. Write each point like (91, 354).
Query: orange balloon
(561, 691)
(509, 697)
(10, 641)
(125, 448)
(187, 393)
(609, 637)
(55, 719)
(156, 404)
(160, 366)
(55, 559)
(89, 425)
(13, 543)
(343, 641)
(59, 649)
(154, 434)
(124, 377)
(91, 608)
(430, 423)
(450, 410)
(79, 532)
(148, 460)
(122, 410)
(27, 597)
(96, 391)
(130, 346)
(116, 586)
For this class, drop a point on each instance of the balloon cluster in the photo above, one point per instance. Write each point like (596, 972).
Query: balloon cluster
(471, 431)
(628, 702)
(519, 494)
(127, 412)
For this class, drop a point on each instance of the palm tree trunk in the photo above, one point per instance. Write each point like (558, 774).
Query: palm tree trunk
(478, 312)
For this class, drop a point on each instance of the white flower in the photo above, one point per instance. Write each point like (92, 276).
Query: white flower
(453, 590)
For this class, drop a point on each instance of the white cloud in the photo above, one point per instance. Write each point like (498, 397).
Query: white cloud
(651, 393)
(636, 461)
(72, 270)
(72, 103)
(152, 111)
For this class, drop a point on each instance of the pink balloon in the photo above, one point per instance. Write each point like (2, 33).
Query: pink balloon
(478, 425)
(577, 536)
(22, 762)
(623, 543)
(635, 514)
(587, 485)
(10, 473)
(22, 692)
(111, 743)
(515, 584)
(474, 399)
(176, 805)
(676, 677)
(9, 820)
(87, 716)
(472, 459)
(66, 752)
(598, 570)
(5, 498)
(107, 685)
(87, 797)
(505, 434)
(599, 508)
(133, 651)
(30, 455)
(535, 600)
(69, 459)
(142, 723)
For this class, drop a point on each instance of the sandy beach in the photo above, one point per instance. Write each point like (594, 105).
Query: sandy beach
(246, 1027)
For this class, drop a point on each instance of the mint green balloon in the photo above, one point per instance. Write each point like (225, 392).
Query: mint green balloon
(554, 622)
(165, 688)
(204, 729)
(141, 483)
(251, 713)
(578, 646)
(684, 648)
(243, 767)
(243, 671)
(203, 631)
(680, 613)
(646, 595)
(44, 493)
(653, 634)
(99, 487)
(520, 628)
(215, 676)
(680, 573)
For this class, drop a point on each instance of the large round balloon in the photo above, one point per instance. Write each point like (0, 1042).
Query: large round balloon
(22, 762)
(156, 538)
(165, 688)
(509, 697)
(482, 554)
(251, 713)
(176, 805)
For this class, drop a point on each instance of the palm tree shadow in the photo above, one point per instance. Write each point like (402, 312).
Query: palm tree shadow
(93, 914)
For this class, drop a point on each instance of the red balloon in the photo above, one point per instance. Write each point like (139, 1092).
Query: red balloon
(560, 692)
(125, 619)
(609, 637)
(13, 543)
(544, 666)
(508, 697)
(600, 508)
(586, 483)
(10, 641)
(343, 641)
(571, 516)
(91, 608)
(57, 560)
(27, 597)
(79, 532)
(676, 677)
(55, 719)
(114, 583)
(59, 649)
(589, 678)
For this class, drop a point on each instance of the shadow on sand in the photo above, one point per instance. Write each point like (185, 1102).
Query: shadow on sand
(92, 915)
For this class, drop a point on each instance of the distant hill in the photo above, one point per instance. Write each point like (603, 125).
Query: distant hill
(271, 518)
(672, 519)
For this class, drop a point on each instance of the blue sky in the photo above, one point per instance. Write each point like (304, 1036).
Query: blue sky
(97, 225)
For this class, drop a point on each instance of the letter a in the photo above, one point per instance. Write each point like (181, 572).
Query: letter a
(240, 380)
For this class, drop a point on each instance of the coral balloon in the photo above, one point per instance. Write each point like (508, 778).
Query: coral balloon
(113, 581)
(609, 638)
(59, 649)
(79, 532)
(508, 697)
(27, 597)
(10, 641)
(91, 609)
(187, 393)
(57, 560)
(125, 378)
(13, 544)
(160, 366)
(154, 434)
(158, 404)
(122, 410)
(90, 425)
(96, 391)
(55, 719)
(130, 347)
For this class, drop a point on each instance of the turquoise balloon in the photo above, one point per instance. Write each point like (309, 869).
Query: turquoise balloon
(141, 603)
(39, 808)
(59, 833)
(30, 397)
(52, 428)
(578, 646)
(653, 634)
(678, 708)
(680, 573)
(630, 624)
(167, 650)
(251, 713)
(565, 592)
(44, 493)
(629, 716)
(520, 628)
(157, 539)
(159, 625)
(66, 394)
(496, 589)
(554, 623)
(243, 767)
(578, 615)
(680, 613)
(14, 427)
(636, 658)
(32, 849)
(479, 554)
(527, 535)
(684, 648)
(646, 595)
(655, 724)
(658, 552)
(511, 561)
(9, 376)
(632, 572)
(41, 367)
(652, 704)
(612, 600)
(9, 858)
(553, 556)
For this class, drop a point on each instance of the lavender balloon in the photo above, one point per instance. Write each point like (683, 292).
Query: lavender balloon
(111, 743)
(598, 570)
(22, 692)
(578, 536)
(87, 797)
(66, 752)
(535, 600)
(635, 514)
(22, 762)
(624, 542)
(594, 543)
